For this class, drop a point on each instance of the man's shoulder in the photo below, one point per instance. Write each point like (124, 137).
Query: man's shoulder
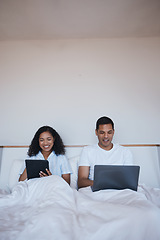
(95, 147)
(90, 147)
(89, 150)
(121, 148)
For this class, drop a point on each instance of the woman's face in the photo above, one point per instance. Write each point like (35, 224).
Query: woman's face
(46, 142)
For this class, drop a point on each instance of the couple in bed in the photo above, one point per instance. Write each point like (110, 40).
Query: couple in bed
(48, 145)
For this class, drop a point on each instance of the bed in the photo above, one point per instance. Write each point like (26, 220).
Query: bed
(48, 208)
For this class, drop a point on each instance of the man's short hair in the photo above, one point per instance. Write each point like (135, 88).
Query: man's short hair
(104, 120)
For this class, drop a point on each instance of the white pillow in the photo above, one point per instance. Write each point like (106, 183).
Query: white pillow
(14, 172)
(74, 176)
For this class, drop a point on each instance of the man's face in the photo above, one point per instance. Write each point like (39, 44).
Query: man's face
(105, 134)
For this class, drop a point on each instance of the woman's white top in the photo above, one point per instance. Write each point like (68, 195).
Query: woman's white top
(58, 165)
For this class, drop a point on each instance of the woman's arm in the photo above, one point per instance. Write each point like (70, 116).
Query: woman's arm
(23, 176)
(66, 177)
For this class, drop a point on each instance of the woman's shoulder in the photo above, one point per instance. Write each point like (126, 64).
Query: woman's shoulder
(59, 156)
(37, 156)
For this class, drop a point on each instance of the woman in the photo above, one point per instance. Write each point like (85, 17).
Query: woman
(48, 145)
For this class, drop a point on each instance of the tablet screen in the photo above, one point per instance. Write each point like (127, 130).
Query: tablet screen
(34, 167)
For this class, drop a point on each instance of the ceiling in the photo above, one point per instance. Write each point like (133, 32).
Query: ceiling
(62, 19)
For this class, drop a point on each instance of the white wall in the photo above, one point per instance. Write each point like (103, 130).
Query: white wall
(69, 84)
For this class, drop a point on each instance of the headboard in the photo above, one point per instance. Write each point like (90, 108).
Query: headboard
(147, 156)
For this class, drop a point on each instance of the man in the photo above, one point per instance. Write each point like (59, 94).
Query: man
(103, 153)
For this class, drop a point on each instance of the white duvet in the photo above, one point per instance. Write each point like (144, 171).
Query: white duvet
(47, 208)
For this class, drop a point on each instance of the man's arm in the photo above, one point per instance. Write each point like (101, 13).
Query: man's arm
(83, 174)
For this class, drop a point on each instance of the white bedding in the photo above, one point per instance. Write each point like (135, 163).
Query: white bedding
(48, 208)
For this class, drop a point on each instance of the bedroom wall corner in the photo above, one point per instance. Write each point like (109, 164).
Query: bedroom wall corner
(1, 149)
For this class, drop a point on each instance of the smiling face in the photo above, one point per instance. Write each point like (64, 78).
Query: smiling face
(105, 134)
(46, 142)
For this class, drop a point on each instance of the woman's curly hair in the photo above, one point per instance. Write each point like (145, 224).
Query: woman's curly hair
(58, 146)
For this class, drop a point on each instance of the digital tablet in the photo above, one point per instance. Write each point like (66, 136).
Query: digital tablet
(34, 167)
(115, 177)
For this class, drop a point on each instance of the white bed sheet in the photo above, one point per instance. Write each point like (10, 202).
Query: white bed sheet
(48, 208)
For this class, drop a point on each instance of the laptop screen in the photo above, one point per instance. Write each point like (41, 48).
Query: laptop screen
(115, 177)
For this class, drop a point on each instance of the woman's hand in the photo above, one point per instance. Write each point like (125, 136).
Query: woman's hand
(42, 174)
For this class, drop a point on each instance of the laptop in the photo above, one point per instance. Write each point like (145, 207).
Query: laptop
(115, 177)
(34, 167)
